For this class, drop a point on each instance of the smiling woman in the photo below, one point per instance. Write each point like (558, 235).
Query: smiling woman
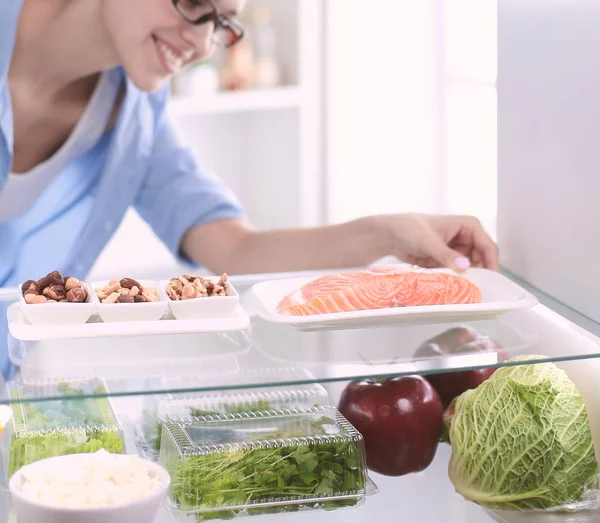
(84, 86)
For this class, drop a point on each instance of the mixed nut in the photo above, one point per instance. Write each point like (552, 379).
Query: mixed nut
(126, 290)
(187, 287)
(54, 288)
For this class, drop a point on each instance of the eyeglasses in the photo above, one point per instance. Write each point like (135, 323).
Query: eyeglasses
(228, 31)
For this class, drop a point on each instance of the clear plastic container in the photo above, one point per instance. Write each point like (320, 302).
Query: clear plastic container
(177, 407)
(263, 463)
(49, 428)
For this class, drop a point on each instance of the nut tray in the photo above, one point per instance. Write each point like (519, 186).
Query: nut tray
(265, 462)
(181, 407)
(49, 428)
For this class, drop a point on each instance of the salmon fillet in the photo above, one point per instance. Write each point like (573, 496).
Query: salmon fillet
(378, 288)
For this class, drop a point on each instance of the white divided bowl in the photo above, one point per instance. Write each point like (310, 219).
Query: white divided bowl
(116, 312)
(58, 313)
(206, 307)
(141, 511)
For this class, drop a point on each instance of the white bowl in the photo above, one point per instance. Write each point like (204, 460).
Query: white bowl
(141, 511)
(58, 313)
(207, 307)
(148, 311)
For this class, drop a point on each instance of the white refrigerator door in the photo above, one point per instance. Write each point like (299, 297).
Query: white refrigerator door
(549, 146)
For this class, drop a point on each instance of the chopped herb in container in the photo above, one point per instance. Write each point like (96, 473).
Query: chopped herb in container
(264, 462)
(69, 425)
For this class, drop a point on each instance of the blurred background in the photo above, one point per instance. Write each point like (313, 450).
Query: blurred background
(335, 109)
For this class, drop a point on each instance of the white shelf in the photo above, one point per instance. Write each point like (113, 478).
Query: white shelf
(237, 101)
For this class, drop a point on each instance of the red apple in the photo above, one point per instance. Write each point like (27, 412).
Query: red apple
(459, 340)
(400, 420)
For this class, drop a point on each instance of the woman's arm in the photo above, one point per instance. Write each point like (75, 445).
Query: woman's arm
(428, 241)
(234, 246)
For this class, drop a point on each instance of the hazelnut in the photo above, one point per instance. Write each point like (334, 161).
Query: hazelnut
(128, 283)
(76, 295)
(139, 298)
(126, 298)
(35, 298)
(31, 291)
(71, 283)
(55, 292)
(53, 278)
(30, 285)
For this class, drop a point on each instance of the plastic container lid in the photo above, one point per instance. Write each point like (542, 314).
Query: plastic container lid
(58, 427)
(158, 410)
(267, 462)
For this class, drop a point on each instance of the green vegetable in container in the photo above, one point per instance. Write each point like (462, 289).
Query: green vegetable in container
(71, 425)
(521, 440)
(263, 473)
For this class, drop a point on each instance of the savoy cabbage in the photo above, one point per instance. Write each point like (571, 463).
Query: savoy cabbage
(521, 440)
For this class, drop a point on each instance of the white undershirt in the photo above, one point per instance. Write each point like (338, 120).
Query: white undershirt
(22, 190)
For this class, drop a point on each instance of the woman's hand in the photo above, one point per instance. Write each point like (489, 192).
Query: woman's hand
(458, 242)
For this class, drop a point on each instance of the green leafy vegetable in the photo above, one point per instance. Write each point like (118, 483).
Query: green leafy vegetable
(521, 440)
(239, 476)
(59, 427)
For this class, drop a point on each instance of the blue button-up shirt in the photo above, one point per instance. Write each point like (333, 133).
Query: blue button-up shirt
(140, 163)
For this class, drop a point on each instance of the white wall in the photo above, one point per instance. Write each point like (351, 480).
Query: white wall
(412, 108)
(549, 114)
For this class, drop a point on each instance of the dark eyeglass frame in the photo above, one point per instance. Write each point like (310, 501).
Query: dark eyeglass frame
(234, 28)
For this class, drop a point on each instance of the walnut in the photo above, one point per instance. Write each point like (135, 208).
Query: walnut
(55, 292)
(223, 281)
(209, 286)
(187, 287)
(172, 293)
(76, 295)
(189, 292)
(128, 283)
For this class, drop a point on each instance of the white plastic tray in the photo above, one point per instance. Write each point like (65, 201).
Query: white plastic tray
(500, 295)
(21, 329)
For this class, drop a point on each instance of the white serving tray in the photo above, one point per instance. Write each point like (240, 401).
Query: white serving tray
(21, 329)
(500, 295)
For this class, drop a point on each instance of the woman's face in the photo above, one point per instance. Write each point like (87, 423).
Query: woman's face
(153, 41)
